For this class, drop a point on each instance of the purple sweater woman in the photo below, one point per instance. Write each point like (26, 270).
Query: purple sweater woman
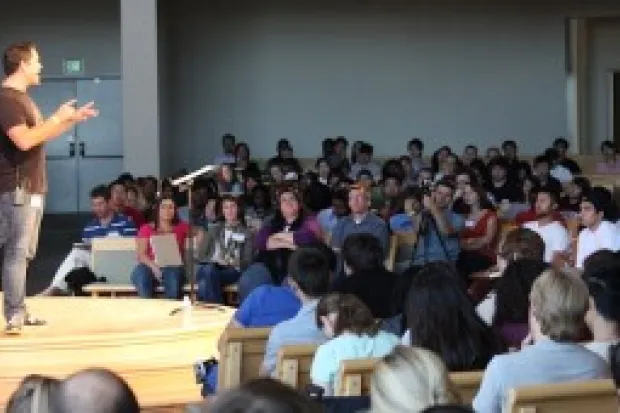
(289, 229)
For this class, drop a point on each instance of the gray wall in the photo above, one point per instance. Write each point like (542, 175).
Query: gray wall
(70, 29)
(604, 56)
(379, 72)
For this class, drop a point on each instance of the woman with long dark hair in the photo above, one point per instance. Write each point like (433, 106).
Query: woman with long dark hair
(479, 237)
(289, 229)
(440, 317)
(228, 251)
(148, 273)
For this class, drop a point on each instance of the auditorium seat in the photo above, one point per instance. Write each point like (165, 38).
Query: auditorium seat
(294, 364)
(241, 355)
(598, 396)
(467, 384)
(353, 377)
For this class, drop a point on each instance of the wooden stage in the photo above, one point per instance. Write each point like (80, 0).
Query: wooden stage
(136, 338)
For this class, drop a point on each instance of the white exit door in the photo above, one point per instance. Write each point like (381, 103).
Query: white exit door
(89, 154)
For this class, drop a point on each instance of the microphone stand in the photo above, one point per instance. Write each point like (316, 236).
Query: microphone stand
(187, 182)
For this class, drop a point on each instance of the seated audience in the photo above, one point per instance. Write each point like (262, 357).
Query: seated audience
(366, 276)
(574, 193)
(118, 201)
(148, 273)
(517, 169)
(360, 220)
(506, 307)
(558, 305)
(228, 250)
(501, 187)
(364, 162)
(453, 330)
(438, 158)
(228, 150)
(601, 274)
(243, 160)
(557, 170)
(389, 199)
(34, 394)
(323, 170)
(561, 146)
(285, 158)
(610, 163)
(289, 229)
(598, 233)
(262, 395)
(542, 166)
(410, 379)
(329, 217)
(479, 235)
(434, 223)
(227, 181)
(259, 208)
(415, 149)
(353, 334)
(105, 223)
(96, 391)
(553, 233)
(308, 270)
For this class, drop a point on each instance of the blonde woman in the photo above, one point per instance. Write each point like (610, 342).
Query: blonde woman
(410, 379)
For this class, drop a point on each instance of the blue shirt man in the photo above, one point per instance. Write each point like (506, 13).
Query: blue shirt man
(118, 226)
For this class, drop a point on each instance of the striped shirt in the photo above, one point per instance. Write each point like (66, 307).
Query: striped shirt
(120, 226)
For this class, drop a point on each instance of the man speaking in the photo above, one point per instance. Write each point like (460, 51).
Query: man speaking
(23, 182)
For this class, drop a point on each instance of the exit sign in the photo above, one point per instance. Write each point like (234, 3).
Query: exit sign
(73, 67)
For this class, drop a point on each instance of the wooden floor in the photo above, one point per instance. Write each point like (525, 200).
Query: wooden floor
(139, 339)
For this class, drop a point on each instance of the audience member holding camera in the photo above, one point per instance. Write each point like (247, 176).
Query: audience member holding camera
(430, 217)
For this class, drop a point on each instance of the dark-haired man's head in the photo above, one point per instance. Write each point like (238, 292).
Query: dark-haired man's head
(362, 252)
(97, 391)
(594, 206)
(308, 270)
(365, 153)
(415, 147)
(21, 62)
(546, 202)
(542, 166)
(443, 193)
(340, 203)
(561, 146)
(509, 148)
(499, 170)
(262, 396)
(228, 143)
(100, 202)
(600, 273)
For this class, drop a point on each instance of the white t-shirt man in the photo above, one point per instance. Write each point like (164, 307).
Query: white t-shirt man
(553, 234)
(604, 237)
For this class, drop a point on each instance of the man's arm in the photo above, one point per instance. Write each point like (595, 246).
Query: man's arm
(26, 138)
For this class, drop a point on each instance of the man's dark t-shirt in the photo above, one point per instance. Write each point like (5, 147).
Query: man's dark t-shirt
(17, 108)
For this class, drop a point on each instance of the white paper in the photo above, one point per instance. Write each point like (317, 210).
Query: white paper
(36, 201)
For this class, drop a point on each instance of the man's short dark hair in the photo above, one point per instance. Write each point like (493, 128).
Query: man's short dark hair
(116, 183)
(542, 159)
(343, 140)
(309, 268)
(100, 191)
(228, 136)
(509, 144)
(600, 272)
(15, 54)
(501, 162)
(561, 141)
(366, 148)
(545, 189)
(97, 391)
(446, 183)
(417, 143)
(362, 252)
(341, 195)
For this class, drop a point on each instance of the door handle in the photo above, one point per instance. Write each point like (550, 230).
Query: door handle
(71, 149)
(82, 149)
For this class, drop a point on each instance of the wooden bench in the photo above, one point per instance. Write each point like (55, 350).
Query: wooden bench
(294, 364)
(241, 355)
(116, 290)
(598, 396)
(354, 376)
(467, 383)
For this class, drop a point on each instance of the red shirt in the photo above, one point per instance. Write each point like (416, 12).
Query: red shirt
(479, 230)
(135, 215)
(180, 230)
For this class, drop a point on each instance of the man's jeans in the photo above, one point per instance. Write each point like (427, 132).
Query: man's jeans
(211, 279)
(19, 235)
(145, 282)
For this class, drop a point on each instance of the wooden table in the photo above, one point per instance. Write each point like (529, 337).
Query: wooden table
(137, 338)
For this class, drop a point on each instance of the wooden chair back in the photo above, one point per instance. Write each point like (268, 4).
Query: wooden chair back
(241, 355)
(598, 396)
(354, 376)
(390, 259)
(467, 383)
(294, 364)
